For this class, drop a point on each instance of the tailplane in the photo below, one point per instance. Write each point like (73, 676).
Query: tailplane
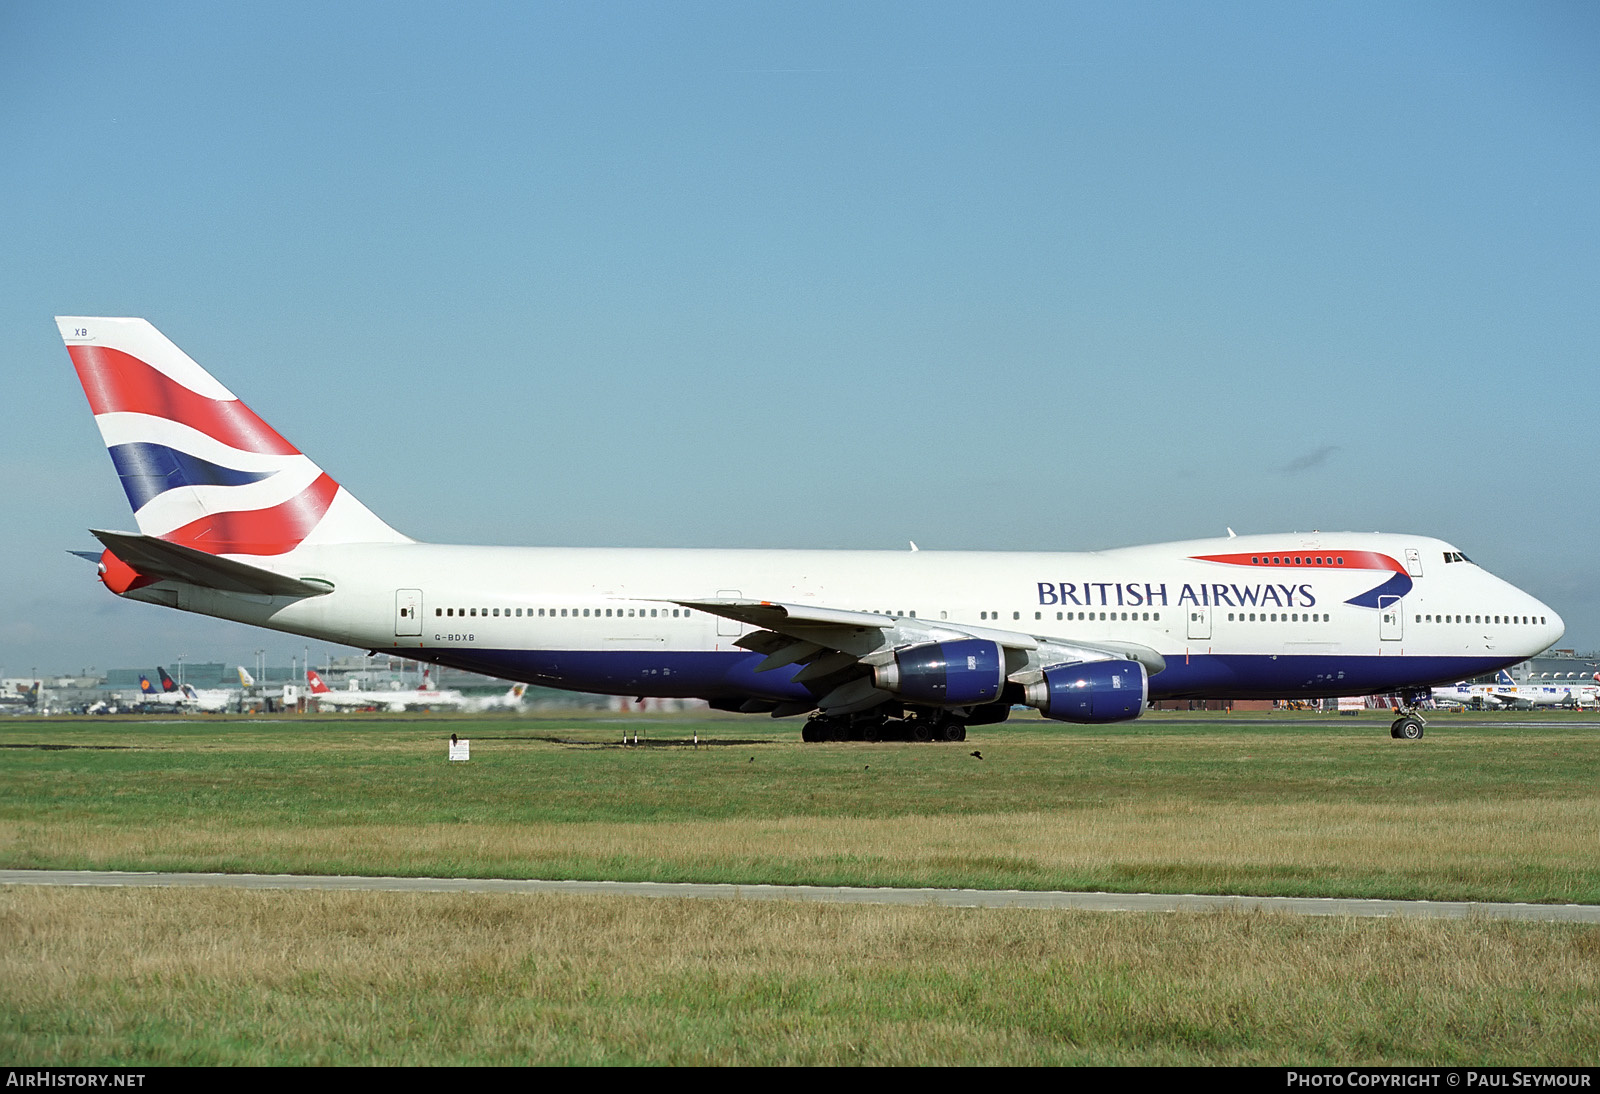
(199, 468)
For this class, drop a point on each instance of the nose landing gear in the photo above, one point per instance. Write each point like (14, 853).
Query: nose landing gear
(1408, 727)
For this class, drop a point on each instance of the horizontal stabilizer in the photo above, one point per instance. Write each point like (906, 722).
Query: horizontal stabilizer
(159, 559)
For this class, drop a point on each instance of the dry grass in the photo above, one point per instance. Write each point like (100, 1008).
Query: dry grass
(201, 977)
(1470, 849)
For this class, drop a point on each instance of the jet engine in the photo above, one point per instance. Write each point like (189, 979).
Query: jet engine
(963, 673)
(1090, 692)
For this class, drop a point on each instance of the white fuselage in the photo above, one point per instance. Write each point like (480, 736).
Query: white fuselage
(1255, 616)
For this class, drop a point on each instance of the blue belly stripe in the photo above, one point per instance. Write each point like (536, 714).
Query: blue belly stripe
(728, 674)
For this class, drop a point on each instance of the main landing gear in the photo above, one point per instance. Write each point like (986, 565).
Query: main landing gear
(871, 726)
(1408, 727)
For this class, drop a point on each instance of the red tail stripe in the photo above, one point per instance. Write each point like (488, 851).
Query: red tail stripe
(259, 531)
(117, 381)
(1353, 560)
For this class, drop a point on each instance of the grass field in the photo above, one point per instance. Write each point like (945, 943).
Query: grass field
(1308, 807)
(131, 977)
(1487, 808)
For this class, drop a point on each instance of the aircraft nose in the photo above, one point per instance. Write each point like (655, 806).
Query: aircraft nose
(1552, 626)
(1557, 625)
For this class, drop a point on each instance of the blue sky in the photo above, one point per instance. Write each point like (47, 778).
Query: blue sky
(1017, 276)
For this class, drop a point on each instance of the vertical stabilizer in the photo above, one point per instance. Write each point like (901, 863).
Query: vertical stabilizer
(199, 468)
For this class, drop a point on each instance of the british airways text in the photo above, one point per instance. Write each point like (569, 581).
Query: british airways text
(1133, 594)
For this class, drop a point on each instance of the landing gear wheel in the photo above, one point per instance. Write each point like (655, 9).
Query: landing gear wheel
(954, 730)
(1406, 729)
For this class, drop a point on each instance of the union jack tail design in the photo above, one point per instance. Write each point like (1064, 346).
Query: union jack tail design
(200, 469)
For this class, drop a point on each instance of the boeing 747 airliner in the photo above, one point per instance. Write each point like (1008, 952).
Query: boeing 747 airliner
(235, 522)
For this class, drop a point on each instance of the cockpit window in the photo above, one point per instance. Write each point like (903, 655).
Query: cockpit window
(1455, 556)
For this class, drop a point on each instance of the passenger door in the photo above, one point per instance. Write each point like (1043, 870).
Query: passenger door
(1391, 619)
(407, 612)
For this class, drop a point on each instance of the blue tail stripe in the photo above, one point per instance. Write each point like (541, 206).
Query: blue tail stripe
(148, 470)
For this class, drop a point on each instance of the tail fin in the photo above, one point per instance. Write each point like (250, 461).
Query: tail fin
(200, 469)
(317, 686)
(167, 683)
(1504, 678)
(245, 679)
(145, 686)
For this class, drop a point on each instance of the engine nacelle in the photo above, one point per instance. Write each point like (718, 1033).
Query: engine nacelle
(1091, 692)
(964, 673)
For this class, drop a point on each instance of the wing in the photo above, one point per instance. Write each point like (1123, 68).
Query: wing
(854, 658)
